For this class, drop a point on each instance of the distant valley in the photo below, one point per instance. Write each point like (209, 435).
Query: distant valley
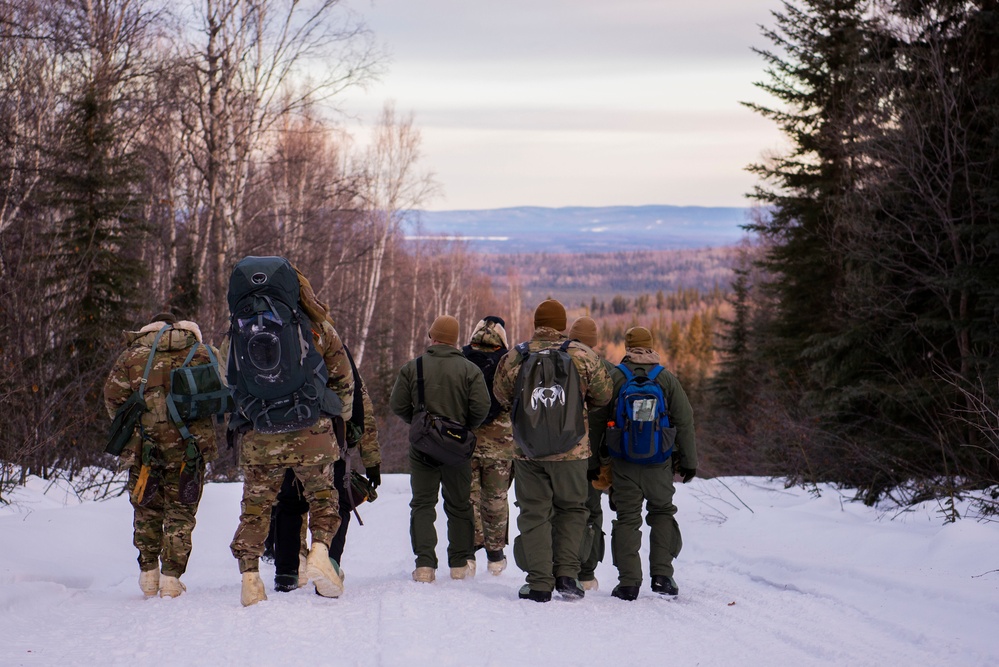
(575, 229)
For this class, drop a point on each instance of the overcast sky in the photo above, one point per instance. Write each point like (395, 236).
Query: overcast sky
(576, 102)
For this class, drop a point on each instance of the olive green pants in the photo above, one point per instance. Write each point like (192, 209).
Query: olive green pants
(551, 497)
(652, 484)
(426, 478)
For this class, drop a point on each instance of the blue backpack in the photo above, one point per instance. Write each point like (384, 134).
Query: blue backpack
(641, 431)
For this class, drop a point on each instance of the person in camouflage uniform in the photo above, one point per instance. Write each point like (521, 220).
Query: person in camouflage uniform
(551, 491)
(287, 538)
(492, 462)
(584, 329)
(310, 453)
(157, 454)
(636, 484)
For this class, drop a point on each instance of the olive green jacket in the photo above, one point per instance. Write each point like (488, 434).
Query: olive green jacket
(640, 361)
(453, 388)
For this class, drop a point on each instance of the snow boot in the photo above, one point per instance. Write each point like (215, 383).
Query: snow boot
(569, 588)
(466, 572)
(303, 571)
(253, 589)
(528, 593)
(171, 587)
(324, 571)
(497, 562)
(284, 583)
(590, 584)
(424, 575)
(149, 582)
(664, 585)
(628, 593)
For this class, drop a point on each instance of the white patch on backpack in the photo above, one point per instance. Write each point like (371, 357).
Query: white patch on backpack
(547, 396)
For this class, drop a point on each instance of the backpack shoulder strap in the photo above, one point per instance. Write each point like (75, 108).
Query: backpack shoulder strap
(524, 349)
(564, 347)
(628, 375)
(419, 384)
(149, 361)
(655, 371)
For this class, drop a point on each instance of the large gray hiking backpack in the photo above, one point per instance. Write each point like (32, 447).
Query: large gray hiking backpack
(547, 411)
(277, 376)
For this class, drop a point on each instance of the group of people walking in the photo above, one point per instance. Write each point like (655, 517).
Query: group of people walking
(549, 414)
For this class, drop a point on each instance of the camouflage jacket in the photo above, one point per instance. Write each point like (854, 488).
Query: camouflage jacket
(126, 376)
(593, 379)
(367, 446)
(494, 438)
(310, 446)
(681, 415)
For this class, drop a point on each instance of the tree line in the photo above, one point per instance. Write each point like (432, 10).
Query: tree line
(864, 341)
(145, 147)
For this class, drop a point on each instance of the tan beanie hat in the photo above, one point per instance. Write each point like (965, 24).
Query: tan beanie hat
(584, 329)
(445, 330)
(550, 313)
(638, 337)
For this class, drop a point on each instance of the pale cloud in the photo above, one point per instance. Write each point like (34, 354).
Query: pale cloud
(583, 102)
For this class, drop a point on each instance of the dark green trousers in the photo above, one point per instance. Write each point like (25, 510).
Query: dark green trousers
(592, 551)
(653, 485)
(551, 497)
(426, 478)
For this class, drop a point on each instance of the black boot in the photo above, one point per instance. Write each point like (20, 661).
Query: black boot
(528, 593)
(569, 588)
(625, 592)
(286, 582)
(664, 585)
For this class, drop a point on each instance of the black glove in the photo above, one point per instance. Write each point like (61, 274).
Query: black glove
(374, 475)
(593, 474)
(688, 473)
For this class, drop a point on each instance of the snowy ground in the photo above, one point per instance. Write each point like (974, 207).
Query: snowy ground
(768, 576)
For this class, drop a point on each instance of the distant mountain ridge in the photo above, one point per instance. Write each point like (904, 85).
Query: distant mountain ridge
(580, 229)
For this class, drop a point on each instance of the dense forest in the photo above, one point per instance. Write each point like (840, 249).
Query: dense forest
(864, 340)
(852, 338)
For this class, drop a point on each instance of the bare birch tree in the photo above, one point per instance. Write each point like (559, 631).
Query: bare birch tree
(395, 186)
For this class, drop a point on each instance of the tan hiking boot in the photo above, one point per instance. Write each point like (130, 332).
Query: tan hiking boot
(467, 572)
(425, 575)
(323, 571)
(303, 571)
(253, 589)
(149, 582)
(590, 584)
(171, 587)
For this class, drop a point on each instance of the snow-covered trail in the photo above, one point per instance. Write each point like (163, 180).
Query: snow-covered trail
(795, 580)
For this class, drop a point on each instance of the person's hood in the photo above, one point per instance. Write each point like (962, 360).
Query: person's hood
(184, 334)
(489, 335)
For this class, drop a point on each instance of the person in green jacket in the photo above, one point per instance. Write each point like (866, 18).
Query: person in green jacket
(454, 389)
(652, 484)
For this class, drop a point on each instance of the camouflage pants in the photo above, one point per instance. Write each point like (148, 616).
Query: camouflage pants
(490, 482)
(161, 530)
(261, 484)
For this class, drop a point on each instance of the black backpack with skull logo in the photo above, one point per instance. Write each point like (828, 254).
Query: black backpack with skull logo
(547, 412)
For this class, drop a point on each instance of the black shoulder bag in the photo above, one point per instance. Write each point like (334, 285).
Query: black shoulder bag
(445, 441)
